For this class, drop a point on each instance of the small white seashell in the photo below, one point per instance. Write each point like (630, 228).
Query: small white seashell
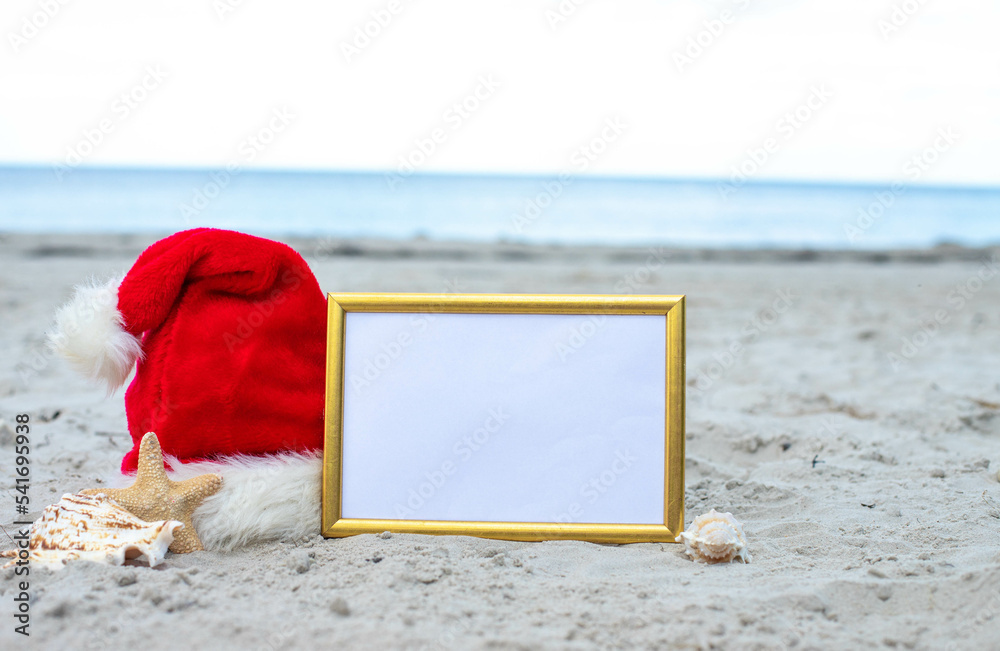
(716, 538)
(95, 528)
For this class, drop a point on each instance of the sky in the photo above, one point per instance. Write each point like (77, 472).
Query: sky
(854, 90)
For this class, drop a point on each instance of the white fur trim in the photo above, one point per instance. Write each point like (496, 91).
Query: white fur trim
(89, 333)
(262, 498)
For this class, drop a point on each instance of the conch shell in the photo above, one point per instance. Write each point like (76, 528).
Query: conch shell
(95, 528)
(716, 538)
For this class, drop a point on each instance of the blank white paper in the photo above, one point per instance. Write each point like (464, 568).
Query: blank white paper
(504, 417)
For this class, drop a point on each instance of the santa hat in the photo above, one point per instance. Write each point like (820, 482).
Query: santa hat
(227, 334)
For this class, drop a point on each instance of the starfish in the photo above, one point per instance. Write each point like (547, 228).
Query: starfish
(154, 496)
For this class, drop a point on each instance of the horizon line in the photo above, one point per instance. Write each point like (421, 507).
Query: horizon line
(700, 180)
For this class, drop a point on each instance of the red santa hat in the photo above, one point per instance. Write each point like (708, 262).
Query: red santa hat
(227, 334)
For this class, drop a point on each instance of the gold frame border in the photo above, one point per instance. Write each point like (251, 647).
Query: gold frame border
(672, 307)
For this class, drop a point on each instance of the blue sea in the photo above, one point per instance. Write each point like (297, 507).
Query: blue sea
(567, 210)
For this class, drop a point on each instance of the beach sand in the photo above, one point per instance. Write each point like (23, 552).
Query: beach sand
(867, 485)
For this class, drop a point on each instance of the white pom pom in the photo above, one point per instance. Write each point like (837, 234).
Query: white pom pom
(90, 334)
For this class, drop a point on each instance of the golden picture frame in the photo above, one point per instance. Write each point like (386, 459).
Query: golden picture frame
(408, 373)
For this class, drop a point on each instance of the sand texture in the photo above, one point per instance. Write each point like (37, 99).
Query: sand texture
(868, 489)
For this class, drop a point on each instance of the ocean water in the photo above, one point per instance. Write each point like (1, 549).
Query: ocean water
(486, 208)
